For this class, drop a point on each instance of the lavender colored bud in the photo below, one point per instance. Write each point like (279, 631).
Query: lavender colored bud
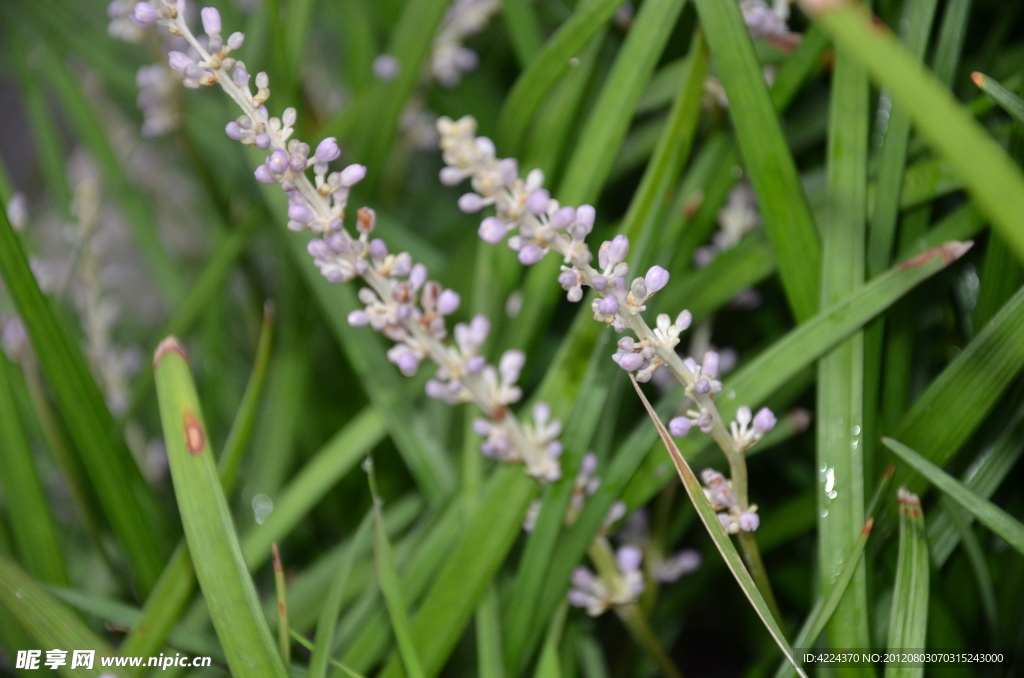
(585, 215)
(318, 249)
(481, 426)
(639, 289)
(450, 176)
(608, 305)
(277, 161)
(628, 558)
(436, 391)
(475, 364)
(327, 150)
(563, 217)
(297, 162)
(582, 578)
(408, 363)
(631, 362)
(613, 251)
(764, 420)
(240, 75)
(378, 249)
(448, 302)
(555, 449)
(749, 521)
(511, 364)
(683, 320)
(386, 67)
(710, 364)
(568, 278)
(679, 427)
(262, 141)
(725, 519)
(179, 61)
(538, 201)
(359, 318)
(300, 213)
(235, 40)
(145, 13)
(492, 229)
(234, 131)
(264, 175)
(402, 311)
(702, 386)
(599, 282)
(589, 464)
(352, 175)
(470, 203)
(656, 279)
(418, 275)
(211, 20)
(530, 255)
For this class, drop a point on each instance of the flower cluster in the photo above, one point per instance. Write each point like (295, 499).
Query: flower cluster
(764, 21)
(596, 594)
(399, 301)
(738, 217)
(449, 59)
(720, 493)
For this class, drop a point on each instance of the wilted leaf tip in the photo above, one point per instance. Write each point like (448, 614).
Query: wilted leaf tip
(168, 345)
(910, 503)
(978, 78)
(950, 252)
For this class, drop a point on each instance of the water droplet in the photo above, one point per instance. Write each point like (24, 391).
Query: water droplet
(367, 464)
(833, 494)
(574, 62)
(856, 430)
(824, 513)
(262, 505)
(830, 480)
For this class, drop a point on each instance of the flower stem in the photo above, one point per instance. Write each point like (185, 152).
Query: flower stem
(752, 557)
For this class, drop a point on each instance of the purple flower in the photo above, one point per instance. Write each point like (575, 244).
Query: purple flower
(262, 141)
(300, 213)
(749, 521)
(613, 251)
(585, 215)
(656, 279)
(211, 20)
(679, 427)
(357, 318)
(628, 558)
(471, 203)
(702, 386)
(764, 420)
(492, 230)
(235, 40)
(234, 131)
(264, 175)
(327, 150)
(448, 302)
(277, 161)
(378, 249)
(530, 255)
(386, 67)
(352, 175)
(538, 201)
(563, 217)
(589, 464)
(710, 364)
(408, 363)
(179, 61)
(608, 305)
(145, 13)
(511, 364)
(631, 362)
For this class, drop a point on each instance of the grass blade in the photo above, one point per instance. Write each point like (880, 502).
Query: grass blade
(549, 664)
(48, 622)
(547, 67)
(606, 126)
(284, 645)
(387, 577)
(32, 525)
(993, 517)
(769, 164)
(216, 555)
(894, 151)
(957, 401)
(989, 175)
(126, 498)
(840, 386)
(908, 622)
(718, 534)
(523, 29)
(976, 559)
(1010, 102)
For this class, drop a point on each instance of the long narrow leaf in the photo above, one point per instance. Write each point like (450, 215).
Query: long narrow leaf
(993, 517)
(1010, 102)
(908, 623)
(217, 557)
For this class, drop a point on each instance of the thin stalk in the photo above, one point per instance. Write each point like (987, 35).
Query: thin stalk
(283, 636)
(752, 558)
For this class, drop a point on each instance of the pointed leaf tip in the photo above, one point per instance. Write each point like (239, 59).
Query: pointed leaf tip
(979, 78)
(168, 345)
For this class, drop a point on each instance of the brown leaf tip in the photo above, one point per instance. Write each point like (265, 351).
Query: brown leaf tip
(195, 436)
(277, 558)
(907, 499)
(169, 345)
(868, 524)
(950, 252)
(978, 78)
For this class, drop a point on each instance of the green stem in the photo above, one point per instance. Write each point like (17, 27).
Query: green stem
(752, 558)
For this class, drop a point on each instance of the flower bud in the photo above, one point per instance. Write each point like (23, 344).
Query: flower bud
(262, 141)
(628, 558)
(608, 305)
(145, 13)
(471, 203)
(563, 217)
(764, 420)
(179, 61)
(448, 302)
(710, 364)
(234, 131)
(749, 521)
(300, 213)
(277, 161)
(358, 318)
(378, 249)
(679, 427)
(613, 251)
(264, 175)
(352, 175)
(538, 201)
(530, 254)
(327, 150)
(235, 40)
(631, 361)
(585, 215)
(656, 279)
(211, 20)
